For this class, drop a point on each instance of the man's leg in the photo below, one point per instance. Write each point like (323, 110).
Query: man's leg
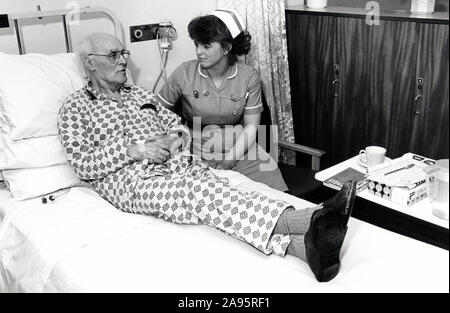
(295, 222)
(297, 247)
(205, 199)
(320, 246)
(250, 217)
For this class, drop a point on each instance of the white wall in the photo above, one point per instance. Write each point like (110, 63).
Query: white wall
(47, 36)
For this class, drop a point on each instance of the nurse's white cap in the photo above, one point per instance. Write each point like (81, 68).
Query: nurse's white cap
(231, 19)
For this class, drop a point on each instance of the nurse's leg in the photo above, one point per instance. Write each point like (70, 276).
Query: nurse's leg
(259, 166)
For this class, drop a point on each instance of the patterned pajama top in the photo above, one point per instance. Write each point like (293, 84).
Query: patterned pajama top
(96, 131)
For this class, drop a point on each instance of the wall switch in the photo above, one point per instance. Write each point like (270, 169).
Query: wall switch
(143, 32)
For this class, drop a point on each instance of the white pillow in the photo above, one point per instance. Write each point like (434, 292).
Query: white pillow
(34, 182)
(31, 152)
(32, 88)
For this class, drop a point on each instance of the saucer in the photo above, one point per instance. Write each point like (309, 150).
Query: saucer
(364, 164)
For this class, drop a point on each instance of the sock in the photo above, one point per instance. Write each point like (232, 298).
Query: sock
(297, 247)
(294, 222)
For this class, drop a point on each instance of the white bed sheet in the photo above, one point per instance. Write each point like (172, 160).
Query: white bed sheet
(80, 243)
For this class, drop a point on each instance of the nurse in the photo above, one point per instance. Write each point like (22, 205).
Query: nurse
(220, 99)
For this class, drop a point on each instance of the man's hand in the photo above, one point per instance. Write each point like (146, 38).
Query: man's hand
(155, 152)
(175, 141)
(159, 149)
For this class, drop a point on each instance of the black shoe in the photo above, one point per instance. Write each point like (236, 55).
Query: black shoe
(323, 242)
(326, 233)
(343, 201)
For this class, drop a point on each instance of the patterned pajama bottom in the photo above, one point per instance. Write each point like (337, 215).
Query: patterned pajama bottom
(186, 192)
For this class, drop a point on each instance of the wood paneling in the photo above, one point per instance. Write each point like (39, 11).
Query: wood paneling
(374, 101)
(430, 127)
(310, 49)
(390, 93)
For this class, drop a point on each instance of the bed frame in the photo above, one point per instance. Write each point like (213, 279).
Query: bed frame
(376, 260)
(65, 14)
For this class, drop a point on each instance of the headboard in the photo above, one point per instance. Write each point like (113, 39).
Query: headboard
(65, 14)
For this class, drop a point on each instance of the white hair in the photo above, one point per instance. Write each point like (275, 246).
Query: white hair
(86, 46)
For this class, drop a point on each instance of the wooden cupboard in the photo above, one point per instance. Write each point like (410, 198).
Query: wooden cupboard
(355, 84)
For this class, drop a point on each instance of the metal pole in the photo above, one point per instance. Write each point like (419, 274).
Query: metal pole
(66, 35)
(19, 39)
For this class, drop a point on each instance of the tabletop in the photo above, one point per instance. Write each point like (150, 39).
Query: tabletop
(421, 210)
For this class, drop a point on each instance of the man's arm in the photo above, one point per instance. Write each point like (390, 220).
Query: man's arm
(170, 122)
(88, 161)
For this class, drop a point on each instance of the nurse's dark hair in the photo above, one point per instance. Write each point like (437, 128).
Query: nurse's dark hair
(209, 28)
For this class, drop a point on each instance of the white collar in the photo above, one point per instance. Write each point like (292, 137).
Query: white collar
(206, 76)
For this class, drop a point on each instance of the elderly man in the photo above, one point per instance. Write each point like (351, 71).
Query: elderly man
(132, 150)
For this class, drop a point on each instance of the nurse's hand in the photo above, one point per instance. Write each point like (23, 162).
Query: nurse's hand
(211, 163)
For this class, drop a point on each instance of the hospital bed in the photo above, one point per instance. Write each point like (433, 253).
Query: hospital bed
(58, 235)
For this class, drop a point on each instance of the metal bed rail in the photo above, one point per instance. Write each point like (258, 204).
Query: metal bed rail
(64, 14)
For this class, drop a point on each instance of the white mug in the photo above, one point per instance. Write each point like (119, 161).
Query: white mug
(373, 155)
(316, 4)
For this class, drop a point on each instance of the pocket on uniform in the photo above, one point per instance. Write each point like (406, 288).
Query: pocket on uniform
(238, 106)
(236, 98)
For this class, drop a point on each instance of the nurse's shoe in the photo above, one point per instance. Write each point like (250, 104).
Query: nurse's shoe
(326, 234)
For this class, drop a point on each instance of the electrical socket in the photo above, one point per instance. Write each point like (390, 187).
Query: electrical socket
(4, 21)
(143, 32)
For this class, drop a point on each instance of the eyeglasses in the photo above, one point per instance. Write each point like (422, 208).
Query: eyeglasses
(114, 56)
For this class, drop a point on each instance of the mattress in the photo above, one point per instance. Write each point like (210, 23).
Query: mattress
(81, 243)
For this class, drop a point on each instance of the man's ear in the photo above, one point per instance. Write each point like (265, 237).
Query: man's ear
(89, 64)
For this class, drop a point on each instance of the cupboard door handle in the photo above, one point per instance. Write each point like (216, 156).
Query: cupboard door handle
(416, 104)
(333, 86)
